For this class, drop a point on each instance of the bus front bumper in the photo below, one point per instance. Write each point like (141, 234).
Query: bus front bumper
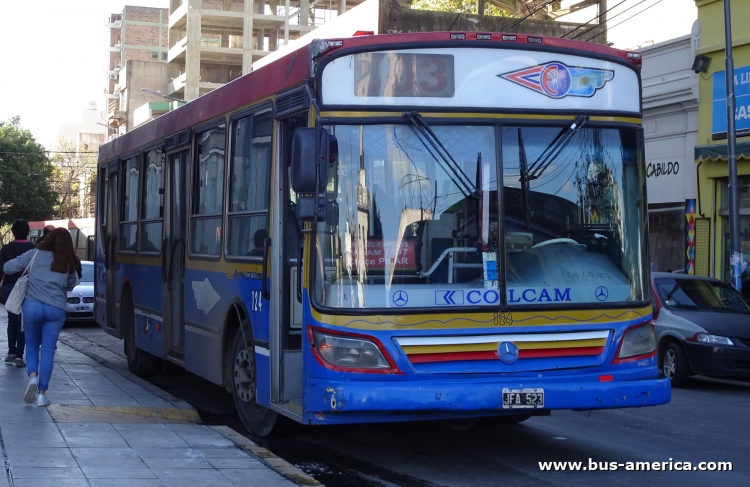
(331, 402)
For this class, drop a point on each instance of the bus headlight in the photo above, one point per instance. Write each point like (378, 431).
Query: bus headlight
(638, 341)
(347, 352)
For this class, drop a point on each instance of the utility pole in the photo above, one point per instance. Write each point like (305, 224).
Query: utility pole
(734, 197)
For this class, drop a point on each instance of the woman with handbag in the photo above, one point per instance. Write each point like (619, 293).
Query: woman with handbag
(19, 246)
(50, 276)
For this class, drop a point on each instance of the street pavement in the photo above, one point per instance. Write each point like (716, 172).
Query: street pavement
(107, 427)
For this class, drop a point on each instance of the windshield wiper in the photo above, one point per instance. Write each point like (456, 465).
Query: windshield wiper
(466, 186)
(558, 144)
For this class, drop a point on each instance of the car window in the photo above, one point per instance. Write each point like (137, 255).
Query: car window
(88, 272)
(700, 294)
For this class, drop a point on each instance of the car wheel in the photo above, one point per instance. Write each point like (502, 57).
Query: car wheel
(258, 419)
(674, 364)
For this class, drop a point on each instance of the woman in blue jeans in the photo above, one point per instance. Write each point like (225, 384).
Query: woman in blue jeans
(51, 276)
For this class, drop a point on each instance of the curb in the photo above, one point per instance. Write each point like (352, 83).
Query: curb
(282, 467)
(185, 410)
(89, 349)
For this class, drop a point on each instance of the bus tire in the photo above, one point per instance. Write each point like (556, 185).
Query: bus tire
(140, 362)
(258, 419)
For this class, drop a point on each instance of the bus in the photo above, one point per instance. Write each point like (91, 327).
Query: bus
(379, 228)
(81, 230)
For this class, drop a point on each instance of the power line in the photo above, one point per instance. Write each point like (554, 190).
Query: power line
(48, 152)
(637, 13)
(599, 16)
(523, 18)
(605, 23)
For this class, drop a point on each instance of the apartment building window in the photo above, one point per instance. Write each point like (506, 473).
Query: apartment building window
(155, 55)
(164, 56)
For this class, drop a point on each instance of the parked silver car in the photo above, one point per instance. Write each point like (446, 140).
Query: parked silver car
(81, 298)
(702, 327)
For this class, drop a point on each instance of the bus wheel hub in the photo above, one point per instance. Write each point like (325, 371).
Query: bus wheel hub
(244, 375)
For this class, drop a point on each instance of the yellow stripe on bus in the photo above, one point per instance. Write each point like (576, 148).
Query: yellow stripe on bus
(482, 347)
(499, 322)
(470, 115)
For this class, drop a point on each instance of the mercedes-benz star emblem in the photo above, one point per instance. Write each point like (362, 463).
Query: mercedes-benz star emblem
(601, 293)
(508, 352)
(400, 298)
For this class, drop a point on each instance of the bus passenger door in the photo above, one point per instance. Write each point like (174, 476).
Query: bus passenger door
(286, 311)
(110, 252)
(173, 256)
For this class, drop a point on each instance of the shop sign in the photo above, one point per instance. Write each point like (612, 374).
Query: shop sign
(742, 105)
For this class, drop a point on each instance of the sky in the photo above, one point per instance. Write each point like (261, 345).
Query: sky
(54, 51)
(52, 60)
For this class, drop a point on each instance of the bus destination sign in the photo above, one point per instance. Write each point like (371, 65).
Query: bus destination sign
(394, 74)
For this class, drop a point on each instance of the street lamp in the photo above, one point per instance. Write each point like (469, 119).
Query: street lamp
(159, 93)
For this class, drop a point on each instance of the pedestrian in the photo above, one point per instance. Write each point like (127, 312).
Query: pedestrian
(19, 246)
(51, 276)
(45, 232)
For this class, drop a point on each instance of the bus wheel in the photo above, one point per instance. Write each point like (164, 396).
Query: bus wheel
(257, 419)
(140, 363)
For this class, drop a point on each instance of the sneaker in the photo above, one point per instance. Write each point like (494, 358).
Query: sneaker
(31, 390)
(42, 401)
(19, 362)
(10, 359)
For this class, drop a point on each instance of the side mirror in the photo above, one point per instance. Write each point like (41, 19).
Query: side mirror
(309, 152)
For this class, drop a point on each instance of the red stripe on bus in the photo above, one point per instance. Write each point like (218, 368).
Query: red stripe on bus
(559, 352)
(452, 356)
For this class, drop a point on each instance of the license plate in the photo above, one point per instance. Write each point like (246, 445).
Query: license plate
(527, 398)
(82, 308)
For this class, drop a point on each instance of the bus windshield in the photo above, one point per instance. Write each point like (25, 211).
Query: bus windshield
(413, 217)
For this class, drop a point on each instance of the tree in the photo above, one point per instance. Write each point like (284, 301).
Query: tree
(25, 172)
(462, 6)
(74, 173)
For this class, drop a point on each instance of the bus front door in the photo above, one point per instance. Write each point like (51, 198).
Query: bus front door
(173, 256)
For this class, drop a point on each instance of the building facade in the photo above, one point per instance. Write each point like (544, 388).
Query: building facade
(670, 124)
(712, 202)
(75, 158)
(138, 38)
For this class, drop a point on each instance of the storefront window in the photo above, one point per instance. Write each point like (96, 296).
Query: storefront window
(666, 238)
(743, 186)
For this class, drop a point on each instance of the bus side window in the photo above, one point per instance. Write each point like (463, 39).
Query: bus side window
(250, 183)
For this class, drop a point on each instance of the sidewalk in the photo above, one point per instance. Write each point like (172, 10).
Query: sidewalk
(105, 429)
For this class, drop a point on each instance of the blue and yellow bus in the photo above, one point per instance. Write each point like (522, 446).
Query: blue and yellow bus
(391, 228)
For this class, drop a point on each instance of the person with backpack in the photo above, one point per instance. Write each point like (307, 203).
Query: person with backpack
(51, 275)
(9, 251)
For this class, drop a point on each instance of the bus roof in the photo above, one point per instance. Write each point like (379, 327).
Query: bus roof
(293, 69)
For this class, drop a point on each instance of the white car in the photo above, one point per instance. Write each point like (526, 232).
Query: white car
(81, 298)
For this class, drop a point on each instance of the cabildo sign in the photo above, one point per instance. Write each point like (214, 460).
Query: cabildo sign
(656, 169)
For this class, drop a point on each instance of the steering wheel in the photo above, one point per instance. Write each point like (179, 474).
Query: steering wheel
(553, 241)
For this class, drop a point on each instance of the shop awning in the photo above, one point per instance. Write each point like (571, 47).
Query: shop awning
(719, 152)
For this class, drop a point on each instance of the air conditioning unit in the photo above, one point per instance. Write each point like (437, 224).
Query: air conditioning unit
(114, 76)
